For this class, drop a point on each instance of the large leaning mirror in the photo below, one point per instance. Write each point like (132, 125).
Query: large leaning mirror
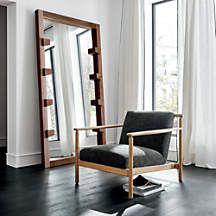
(70, 83)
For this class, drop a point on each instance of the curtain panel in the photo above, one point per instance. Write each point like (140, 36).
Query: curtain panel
(64, 88)
(131, 58)
(198, 64)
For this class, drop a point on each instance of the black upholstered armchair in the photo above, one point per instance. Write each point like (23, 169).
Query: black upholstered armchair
(143, 147)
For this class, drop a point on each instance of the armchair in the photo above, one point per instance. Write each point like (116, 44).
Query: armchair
(143, 147)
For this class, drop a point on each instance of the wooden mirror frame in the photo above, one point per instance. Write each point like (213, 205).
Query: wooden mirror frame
(97, 77)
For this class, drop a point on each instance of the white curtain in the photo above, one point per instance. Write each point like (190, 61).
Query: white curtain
(198, 42)
(131, 58)
(64, 88)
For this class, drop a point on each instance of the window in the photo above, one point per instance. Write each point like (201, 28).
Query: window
(51, 94)
(84, 42)
(161, 60)
(164, 57)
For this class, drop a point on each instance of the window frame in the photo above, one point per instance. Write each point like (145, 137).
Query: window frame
(149, 76)
(155, 3)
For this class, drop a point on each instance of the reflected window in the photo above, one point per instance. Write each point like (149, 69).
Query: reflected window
(84, 42)
(52, 111)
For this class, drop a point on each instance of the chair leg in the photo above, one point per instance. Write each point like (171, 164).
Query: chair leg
(180, 172)
(130, 184)
(76, 173)
(77, 157)
(180, 163)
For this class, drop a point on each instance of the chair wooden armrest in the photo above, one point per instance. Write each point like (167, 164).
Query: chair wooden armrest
(152, 132)
(77, 144)
(99, 127)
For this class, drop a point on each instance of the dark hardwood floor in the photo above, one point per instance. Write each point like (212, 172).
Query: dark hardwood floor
(34, 191)
(3, 151)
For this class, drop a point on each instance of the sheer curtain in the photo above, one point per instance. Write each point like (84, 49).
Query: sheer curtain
(64, 88)
(198, 41)
(131, 58)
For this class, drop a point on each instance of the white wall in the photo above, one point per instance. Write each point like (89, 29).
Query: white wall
(23, 114)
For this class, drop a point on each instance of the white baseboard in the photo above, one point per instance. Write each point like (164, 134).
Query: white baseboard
(30, 159)
(23, 160)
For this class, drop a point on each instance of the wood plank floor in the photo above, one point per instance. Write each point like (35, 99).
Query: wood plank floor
(3, 151)
(37, 192)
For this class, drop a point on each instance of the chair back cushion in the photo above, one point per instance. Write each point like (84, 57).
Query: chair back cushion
(141, 121)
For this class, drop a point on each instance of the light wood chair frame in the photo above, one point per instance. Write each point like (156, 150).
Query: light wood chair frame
(131, 171)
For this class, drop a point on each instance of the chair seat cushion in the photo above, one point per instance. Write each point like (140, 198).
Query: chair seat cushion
(117, 155)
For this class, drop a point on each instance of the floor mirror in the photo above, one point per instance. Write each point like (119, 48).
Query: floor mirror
(70, 83)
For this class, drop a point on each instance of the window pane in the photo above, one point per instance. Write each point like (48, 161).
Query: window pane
(165, 64)
(86, 68)
(165, 73)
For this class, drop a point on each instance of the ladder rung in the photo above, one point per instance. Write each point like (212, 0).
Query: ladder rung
(95, 76)
(48, 102)
(94, 50)
(96, 102)
(49, 133)
(46, 71)
(45, 41)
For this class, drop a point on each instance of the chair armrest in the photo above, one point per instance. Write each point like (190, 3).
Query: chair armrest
(99, 127)
(152, 132)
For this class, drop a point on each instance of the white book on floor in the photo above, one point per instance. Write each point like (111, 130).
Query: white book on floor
(145, 190)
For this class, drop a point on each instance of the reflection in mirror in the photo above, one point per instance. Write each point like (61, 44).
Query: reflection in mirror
(52, 110)
(84, 40)
(69, 85)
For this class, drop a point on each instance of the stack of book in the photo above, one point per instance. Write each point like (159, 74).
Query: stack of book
(144, 187)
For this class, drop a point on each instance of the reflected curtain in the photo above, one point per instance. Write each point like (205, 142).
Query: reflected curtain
(131, 58)
(64, 88)
(198, 41)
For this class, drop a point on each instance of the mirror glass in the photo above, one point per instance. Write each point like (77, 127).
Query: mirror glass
(69, 85)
